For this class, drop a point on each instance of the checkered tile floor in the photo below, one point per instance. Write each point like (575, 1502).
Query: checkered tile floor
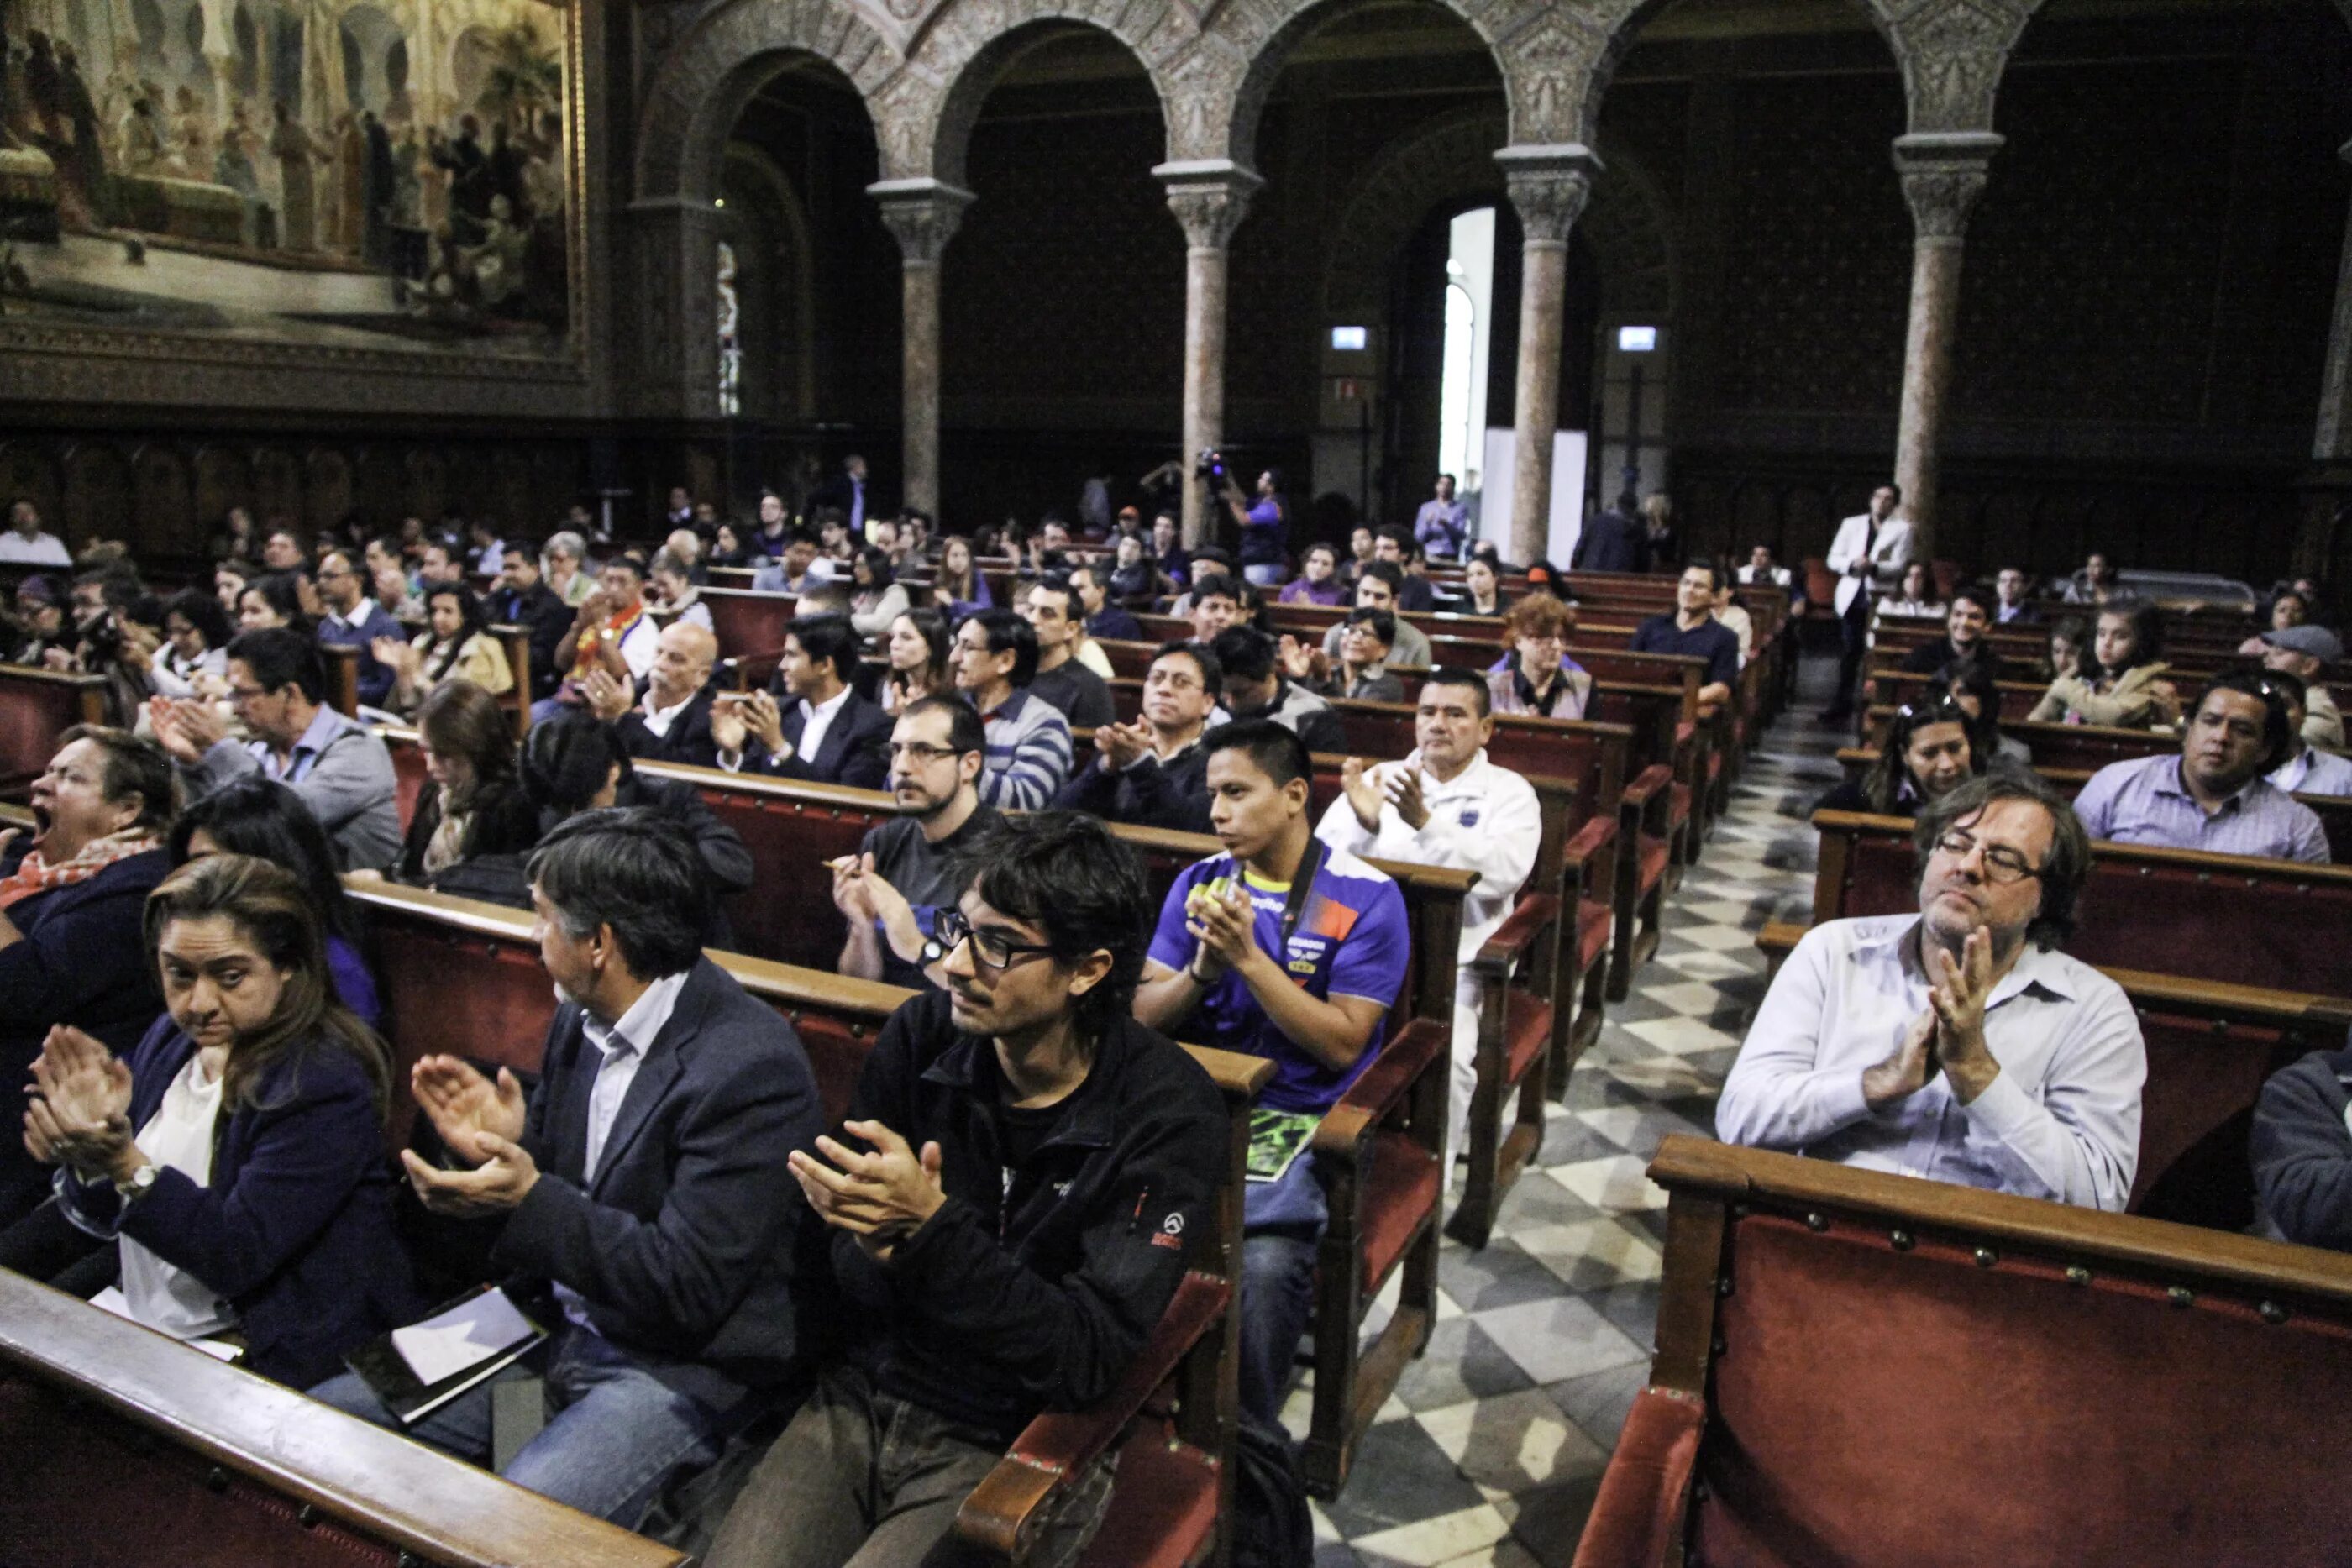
(1492, 1447)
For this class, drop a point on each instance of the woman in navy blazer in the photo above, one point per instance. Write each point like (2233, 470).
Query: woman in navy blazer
(287, 1238)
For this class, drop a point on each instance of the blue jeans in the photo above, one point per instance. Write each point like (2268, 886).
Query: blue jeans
(616, 1434)
(1282, 1221)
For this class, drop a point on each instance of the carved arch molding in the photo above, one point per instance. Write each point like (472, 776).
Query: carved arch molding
(922, 67)
(1451, 161)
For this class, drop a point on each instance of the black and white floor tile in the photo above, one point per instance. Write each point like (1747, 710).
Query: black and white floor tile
(1489, 1452)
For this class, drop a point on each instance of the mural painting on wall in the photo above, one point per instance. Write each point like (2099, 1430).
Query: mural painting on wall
(344, 173)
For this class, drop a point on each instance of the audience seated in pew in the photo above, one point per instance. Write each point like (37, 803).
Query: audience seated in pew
(2119, 681)
(1446, 804)
(1072, 673)
(671, 584)
(639, 1197)
(1360, 671)
(901, 879)
(354, 620)
(993, 658)
(1692, 630)
(810, 723)
(2306, 769)
(914, 661)
(2301, 1150)
(252, 1200)
(456, 645)
(1256, 687)
(671, 721)
(473, 802)
(798, 569)
(1284, 949)
(1535, 675)
(278, 689)
(572, 764)
(2304, 653)
(194, 651)
(610, 632)
(875, 596)
(1379, 587)
(1959, 1044)
(1214, 604)
(523, 598)
(1963, 641)
(1006, 1224)
(1929, 751)
(1094, 585)
(2215, 795)
(1971, 683)
(264, 819)
(1153, 773)
(71, 950)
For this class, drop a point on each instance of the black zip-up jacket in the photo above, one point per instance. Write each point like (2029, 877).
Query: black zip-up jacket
(2301, 1151)
(1033, 1288)
(1151, 794)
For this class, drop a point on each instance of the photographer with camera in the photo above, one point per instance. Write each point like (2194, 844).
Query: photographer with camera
(1264, 519)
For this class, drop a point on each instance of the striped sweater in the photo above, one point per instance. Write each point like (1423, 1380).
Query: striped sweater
(1028, 753)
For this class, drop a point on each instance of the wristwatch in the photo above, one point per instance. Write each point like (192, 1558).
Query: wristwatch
(142, 1182)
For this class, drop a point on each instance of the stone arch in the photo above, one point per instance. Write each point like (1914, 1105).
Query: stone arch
(965, 48)
(708, 75)
(1625, 221)
(1564, 60)
(1231, 72)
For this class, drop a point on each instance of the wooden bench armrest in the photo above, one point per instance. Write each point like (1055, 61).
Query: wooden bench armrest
(1652, 782)
(1347, 1125)
(1006, 1510)
(1780, 937)
(1587, 861)
(1637, 1515)
(1512, 939)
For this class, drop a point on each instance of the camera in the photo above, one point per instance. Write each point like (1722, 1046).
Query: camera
(1210, 468)
(102, 639)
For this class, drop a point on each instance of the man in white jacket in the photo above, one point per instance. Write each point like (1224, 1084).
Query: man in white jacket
(1447, 805)
(1871, 550)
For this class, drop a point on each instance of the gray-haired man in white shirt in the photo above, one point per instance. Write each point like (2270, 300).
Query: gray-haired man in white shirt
(1959, 1045)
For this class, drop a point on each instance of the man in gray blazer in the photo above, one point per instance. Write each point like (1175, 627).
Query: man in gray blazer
(278, 684)
(642, 1193)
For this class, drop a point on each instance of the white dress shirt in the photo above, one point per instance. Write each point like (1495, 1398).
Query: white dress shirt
(815, 719)
(623, 1046)
(659, 719)
(2060, 1121)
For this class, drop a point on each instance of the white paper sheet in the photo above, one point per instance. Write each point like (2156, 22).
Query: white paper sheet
(112, 1300)
(466, 1334)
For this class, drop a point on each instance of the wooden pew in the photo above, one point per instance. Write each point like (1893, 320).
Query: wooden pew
(748, 622)
(37, 706)
(2279, 925)
(2213, 1037)
(123, 1446)
(464, 978)
(1809, 1400)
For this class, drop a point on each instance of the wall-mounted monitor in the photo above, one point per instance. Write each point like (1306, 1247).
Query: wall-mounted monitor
(1637, 339)
(1351, 339)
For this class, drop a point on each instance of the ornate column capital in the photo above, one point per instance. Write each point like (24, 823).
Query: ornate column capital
(1943, 174)
(921, 216)
(1210, 196)
(1548, 184)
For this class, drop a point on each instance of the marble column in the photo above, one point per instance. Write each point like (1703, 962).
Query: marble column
(922, 215)
(1943, 174)
(2332, 440)
(1547, 187)
(1210, 196)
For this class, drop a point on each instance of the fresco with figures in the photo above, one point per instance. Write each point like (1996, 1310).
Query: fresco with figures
(344, 173)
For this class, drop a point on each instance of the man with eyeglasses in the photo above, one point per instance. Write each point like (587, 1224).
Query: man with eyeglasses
(340, 769)
(2213, 796)
(1959, 1044)
(892, 890)
(1026, 1170)
(1154, 772)
(354, 620)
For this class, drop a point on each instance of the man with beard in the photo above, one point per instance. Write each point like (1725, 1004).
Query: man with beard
(894, 890)
(1958, 1044)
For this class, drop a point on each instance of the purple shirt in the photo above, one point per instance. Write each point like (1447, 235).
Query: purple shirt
(2142, 801)
(1301, 592)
